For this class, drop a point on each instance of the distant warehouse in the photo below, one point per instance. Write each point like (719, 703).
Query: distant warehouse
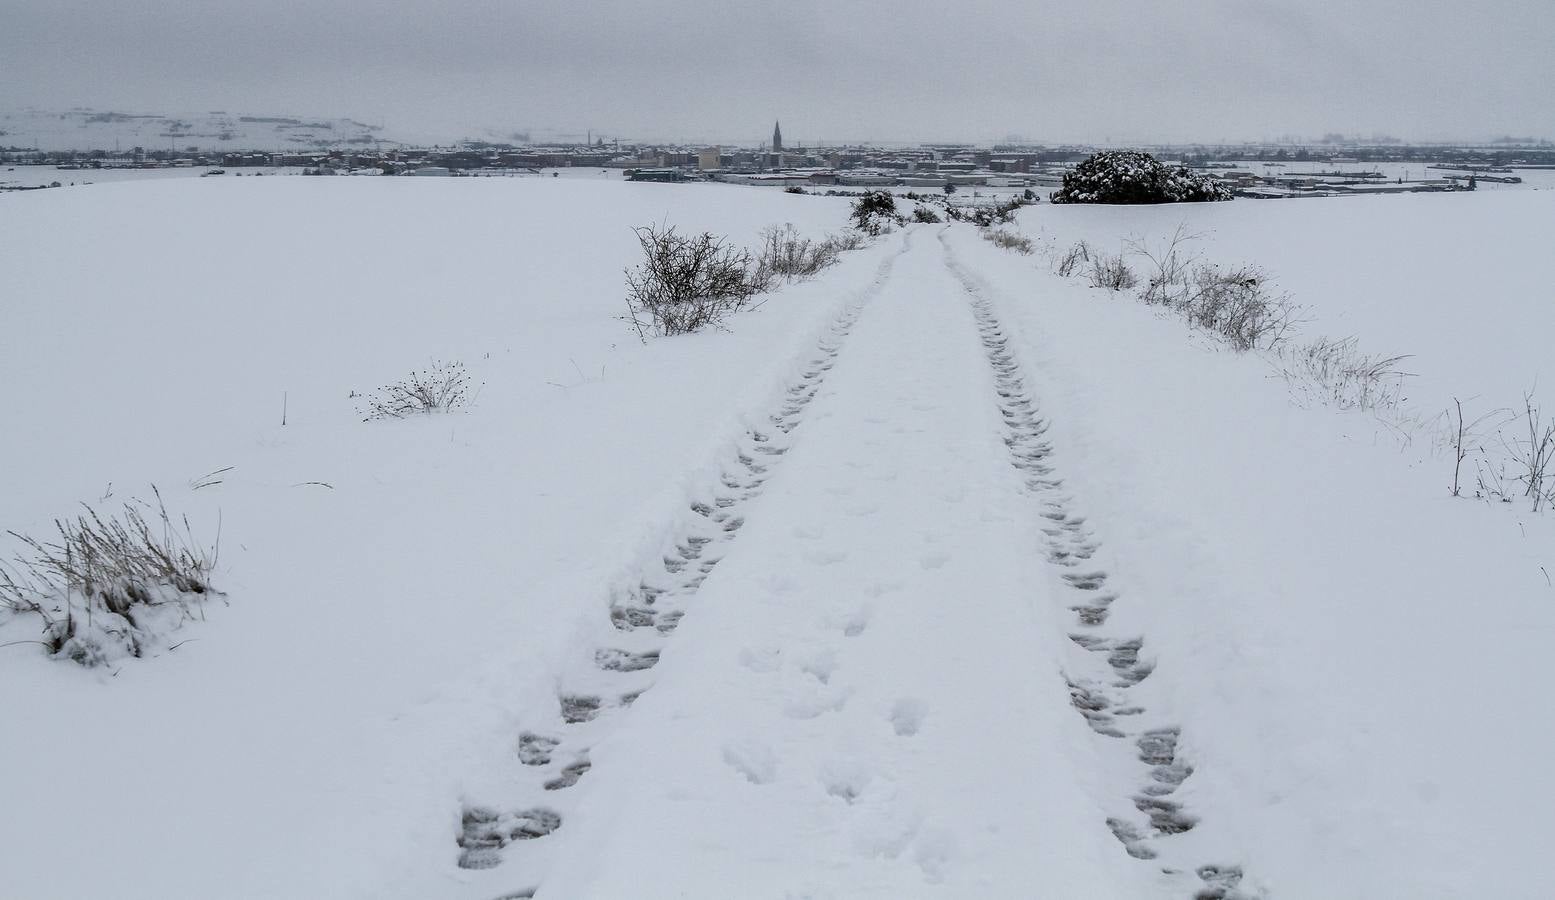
(655, 175)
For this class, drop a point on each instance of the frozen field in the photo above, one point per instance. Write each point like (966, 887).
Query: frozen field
(935, 576)
(1453, 281)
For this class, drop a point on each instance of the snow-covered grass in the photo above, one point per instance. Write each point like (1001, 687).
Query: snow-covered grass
(1404, 307)
(105, 586)
(1455, 281)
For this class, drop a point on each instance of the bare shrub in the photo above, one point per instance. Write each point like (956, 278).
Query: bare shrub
(1171, 266)
(1112, 273)
(851, 239)
(1336, 373)
(1237, 304)
(1493, 481)
(925, 215)
(1009, 240)
(1465, 437)
(1531, 456)
(110, 586)
(438, 388)
(686, 283)
(785, 254)
(1072, 260)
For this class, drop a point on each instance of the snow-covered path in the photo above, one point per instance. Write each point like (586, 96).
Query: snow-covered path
(808, 730)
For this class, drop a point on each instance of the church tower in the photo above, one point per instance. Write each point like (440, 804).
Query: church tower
(777, 137)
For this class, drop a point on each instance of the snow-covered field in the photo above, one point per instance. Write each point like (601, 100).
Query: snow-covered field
(993, 585)
(81, 128)
(1453, 281)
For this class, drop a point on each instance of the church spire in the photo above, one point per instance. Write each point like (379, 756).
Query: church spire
(777, 137)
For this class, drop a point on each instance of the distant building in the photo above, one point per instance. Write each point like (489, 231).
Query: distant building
(710, 158)
(777, 137)
(655, 175)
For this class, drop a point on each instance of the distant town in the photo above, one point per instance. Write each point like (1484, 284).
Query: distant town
(1332, 166)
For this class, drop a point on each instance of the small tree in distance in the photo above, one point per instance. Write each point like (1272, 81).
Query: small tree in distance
(871, 208)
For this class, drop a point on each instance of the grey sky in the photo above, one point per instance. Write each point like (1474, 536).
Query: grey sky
(830, 69)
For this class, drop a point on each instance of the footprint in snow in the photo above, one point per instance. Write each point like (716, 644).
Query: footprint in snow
(761, 659)
(934, 560)
(845, 780)
(825, 557)
(934, 851)
(820, 665)
(854, 623)
(907, 716)
(535, 749)
(813, 704)
(755, 761)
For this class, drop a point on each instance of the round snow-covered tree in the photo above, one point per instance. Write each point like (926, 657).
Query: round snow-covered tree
(1130, 176)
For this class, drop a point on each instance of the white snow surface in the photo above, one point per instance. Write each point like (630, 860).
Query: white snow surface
(1451, 281)
(879, 500)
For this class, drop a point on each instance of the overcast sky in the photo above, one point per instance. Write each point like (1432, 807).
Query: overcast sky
(831, 70)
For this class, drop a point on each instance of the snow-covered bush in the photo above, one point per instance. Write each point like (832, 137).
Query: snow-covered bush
(848, 239)
(1337, 373)
(986, 216)
(438, 388)
(785, 254)
(1237, 304)
(874, 211)
(1130, 176)
(1009, 240)
(686, 283)
(925, 215)
(109, 586)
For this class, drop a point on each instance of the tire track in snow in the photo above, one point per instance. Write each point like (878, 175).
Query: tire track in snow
(643, 615)
(1100, 691)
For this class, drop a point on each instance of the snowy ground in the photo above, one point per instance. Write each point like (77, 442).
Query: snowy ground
(1452, 281)
(937, 576)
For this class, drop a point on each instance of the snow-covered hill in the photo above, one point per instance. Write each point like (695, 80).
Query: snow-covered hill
(935, 576)
(97, 129)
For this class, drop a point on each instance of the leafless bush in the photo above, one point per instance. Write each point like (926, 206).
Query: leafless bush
(925, 215)
(1531, 456)
(850, 239)
(1009, 240)
(438, 388)
(1467, 437)
(686, 283)
(1071, 261)
(1336, 373)
(107, 586)
(784, 254)
(1171, 266)
(1112, 273)
(1237, 304)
